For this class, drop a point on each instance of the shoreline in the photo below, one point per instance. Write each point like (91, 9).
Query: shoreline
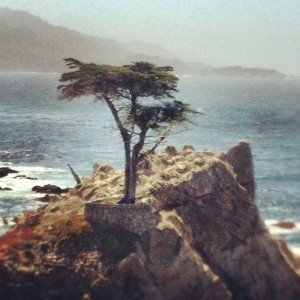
(33, 204)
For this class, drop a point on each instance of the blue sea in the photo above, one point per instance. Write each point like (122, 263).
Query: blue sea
(40, 135)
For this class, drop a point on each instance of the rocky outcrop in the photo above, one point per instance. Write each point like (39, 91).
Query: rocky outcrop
(240, 158)
(195, 233)
(222, 223)
(47, 198)
(4, 171)
(165, 267)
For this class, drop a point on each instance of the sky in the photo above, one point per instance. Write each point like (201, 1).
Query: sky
(251, 33)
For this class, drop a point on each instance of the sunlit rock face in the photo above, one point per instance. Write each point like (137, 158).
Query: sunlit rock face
(240, 158)
(207, 205)
(222, 223)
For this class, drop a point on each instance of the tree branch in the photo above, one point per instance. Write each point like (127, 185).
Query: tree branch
(122, 129)
(160, 139)
(75, 176)
(139, 145)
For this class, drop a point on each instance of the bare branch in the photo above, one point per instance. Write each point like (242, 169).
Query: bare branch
(160, 140)
(120, 109)
(125, 96)
(75, 176)
(122, 129)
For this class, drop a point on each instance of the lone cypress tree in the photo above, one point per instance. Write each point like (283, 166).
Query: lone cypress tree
(125, 90)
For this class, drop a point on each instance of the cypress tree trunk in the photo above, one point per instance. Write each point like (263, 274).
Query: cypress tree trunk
(133, 180)
(127, 147)
(135, 158)
(127, 180)
(133, 164)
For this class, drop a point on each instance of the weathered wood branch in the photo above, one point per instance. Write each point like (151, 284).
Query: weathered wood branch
(160, 140)
(75, 176)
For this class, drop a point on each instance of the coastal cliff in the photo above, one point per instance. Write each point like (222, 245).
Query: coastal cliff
(195, 233)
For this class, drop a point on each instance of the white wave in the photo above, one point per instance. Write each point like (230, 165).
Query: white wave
(4, 229)
(7, 221)
(275, 230)
(282, 232)
(200, 110)
(295, 249)
(29, 169)
(20, 184)
(5, 224)
(21, 188)
(5, 164)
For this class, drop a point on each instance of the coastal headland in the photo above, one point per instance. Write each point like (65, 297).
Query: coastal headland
(194, 233)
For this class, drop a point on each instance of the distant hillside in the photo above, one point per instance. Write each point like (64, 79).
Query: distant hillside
(28, 43)
(148, 49)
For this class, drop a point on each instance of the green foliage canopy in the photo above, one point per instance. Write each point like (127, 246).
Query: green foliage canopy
(140, 79)
(133, 82)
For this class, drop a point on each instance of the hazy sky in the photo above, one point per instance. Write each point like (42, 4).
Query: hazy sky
(253, 33)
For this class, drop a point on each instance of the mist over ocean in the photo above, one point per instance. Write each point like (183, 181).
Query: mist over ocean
(40, 135)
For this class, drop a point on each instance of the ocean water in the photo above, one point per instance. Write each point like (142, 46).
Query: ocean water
(40, 135)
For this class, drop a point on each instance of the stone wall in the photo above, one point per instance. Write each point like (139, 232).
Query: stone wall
(136, 218)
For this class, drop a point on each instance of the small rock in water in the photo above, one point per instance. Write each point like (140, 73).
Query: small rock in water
(5, 171)
(49, 189)
(5, 189)
(285, 224)
(25, 177)
(5, 221)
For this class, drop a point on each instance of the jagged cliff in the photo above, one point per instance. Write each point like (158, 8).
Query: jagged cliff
(195, 233)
